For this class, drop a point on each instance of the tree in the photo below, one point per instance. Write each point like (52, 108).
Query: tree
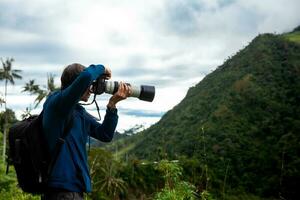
(8, 75)
(35, 89)
(111, 183)
(105, 174)
(9, 116)
(26, 113)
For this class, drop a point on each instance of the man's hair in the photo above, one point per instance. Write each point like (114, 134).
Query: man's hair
(70, 73)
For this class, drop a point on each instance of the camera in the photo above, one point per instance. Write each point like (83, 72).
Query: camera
(142, 92)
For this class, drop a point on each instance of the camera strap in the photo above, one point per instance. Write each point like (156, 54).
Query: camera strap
(97, 107)
(98, 110)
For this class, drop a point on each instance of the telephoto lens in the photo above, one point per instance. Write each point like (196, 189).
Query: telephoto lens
(142, 92)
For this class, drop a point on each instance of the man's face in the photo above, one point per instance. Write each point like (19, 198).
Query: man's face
(85, 97)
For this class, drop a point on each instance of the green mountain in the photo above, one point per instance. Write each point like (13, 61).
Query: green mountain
(241, 122)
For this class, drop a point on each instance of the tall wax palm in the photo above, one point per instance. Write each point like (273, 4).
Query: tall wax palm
(8, 75)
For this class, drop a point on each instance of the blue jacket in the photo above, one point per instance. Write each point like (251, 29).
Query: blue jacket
(71, 172)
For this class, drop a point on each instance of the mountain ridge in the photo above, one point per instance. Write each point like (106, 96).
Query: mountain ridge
(244, 116)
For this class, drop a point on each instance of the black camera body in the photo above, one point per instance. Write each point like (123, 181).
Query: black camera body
(142, 92)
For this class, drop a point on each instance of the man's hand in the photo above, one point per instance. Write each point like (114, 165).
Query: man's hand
(123, 92)
(107, 73)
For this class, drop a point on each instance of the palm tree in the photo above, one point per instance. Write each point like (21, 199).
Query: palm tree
(111, 183)
(105, 174)
(41, 93)
(8, 75)
(26, 113)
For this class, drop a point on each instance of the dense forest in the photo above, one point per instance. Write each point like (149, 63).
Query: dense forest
(239, 127)
(235, 135)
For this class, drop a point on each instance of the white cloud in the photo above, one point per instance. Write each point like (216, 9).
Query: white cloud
(171, 44)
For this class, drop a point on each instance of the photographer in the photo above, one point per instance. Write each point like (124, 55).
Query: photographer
(70, 176)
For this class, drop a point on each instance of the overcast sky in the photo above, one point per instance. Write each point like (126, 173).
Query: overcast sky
(171, 44)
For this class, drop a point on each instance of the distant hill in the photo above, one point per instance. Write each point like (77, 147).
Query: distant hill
(241, 121)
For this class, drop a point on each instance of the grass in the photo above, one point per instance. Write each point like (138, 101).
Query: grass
(294, 37)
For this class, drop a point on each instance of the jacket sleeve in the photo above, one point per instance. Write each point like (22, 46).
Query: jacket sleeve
(105, 131)
(70, 96)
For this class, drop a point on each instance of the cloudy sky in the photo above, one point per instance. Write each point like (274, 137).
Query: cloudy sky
(171, 44)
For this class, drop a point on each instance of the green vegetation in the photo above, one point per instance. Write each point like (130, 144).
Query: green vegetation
(240, 124)
(294, 36)
(174, 187)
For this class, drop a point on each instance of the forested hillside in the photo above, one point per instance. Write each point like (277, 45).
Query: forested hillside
(240, 126)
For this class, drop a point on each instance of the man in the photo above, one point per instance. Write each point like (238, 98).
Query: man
(70, 177)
